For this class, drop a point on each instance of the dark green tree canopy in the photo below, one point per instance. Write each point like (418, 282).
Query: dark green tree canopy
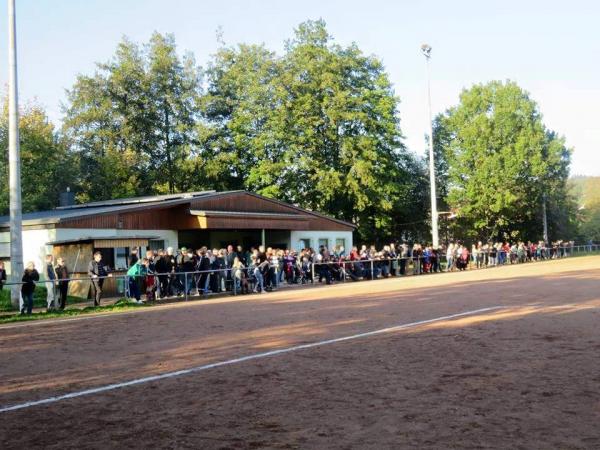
(45, 160)
(317, 127)
(132, 122)
(501, 162)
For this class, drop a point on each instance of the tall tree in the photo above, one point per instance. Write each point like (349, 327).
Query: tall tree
(173, 94)
(46, 166)
(139, 108)
(317, 127)
(340, 133)
(586, 190)
(235, 134)
(502, 161)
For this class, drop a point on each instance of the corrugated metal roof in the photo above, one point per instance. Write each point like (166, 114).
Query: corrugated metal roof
(94, 208)
(137, 200)
(131, 204)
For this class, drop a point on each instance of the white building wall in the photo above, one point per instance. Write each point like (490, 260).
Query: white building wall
(35, 246)
(297, 238)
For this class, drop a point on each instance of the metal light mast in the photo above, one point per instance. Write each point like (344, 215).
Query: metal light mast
(14, 159)
(426, 49)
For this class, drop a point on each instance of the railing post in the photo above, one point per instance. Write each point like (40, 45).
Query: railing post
(233, 278)
(372, 275)
(312, 269)
(185, 285)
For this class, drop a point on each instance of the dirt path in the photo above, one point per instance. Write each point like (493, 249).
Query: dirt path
(526, 375)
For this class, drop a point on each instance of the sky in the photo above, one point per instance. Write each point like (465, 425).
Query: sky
(550, 48)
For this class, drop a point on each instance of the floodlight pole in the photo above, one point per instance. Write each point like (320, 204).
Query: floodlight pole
(14, 160)
(545, 218)
(434, 213)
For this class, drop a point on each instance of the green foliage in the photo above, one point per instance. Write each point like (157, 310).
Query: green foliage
(45, 161)
(317, 127)
(238, 106)
(501, 161)
(587, 192)
(131, 123)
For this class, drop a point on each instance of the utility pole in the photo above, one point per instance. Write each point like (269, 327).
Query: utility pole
(426, 49)
(14, 160)
(545, 218)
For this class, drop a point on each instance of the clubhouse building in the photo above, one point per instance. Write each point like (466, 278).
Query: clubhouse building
(195, 219)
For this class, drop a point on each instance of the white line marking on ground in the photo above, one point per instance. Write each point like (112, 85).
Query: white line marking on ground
(178, 373)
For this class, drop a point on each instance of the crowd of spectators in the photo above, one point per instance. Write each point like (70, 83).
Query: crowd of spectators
(166, 273)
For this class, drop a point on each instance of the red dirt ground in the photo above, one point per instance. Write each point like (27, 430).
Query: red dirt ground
(523, 376)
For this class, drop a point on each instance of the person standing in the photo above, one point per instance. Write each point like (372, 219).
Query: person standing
(230, 256)
(134, 274)
(2, 275)
(62, 274)
(30, 276)
(97, 272)
(187, 268)
(404, 254)
(150, 267)
(162, 271)
(203, 267)
(238, 275)
(171, 268)
(393, 260)
(150, 280)
(450, 253)
(50, 283)
(133, 257)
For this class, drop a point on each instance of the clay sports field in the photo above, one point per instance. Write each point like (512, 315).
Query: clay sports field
(499, 358)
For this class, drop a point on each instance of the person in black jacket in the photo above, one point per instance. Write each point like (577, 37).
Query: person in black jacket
(162, 270)
(30, 276)
(97, 272)
(2, 275)
(187, 264)
(203, 266)
(62, 274)
(171, 266)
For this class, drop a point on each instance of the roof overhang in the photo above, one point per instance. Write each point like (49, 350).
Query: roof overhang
(109, 241)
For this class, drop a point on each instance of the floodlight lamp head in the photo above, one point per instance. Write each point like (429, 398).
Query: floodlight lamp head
(426, 49)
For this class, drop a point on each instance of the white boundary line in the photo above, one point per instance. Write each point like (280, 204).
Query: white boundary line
(178, 373)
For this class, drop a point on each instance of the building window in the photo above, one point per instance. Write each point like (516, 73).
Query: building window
(121, 254)
(156, 244)
(340, 243)
(324, 242)
(304, 243)
(108, 256)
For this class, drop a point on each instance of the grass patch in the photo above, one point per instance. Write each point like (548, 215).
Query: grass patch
(121, 305)
(39, 299)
